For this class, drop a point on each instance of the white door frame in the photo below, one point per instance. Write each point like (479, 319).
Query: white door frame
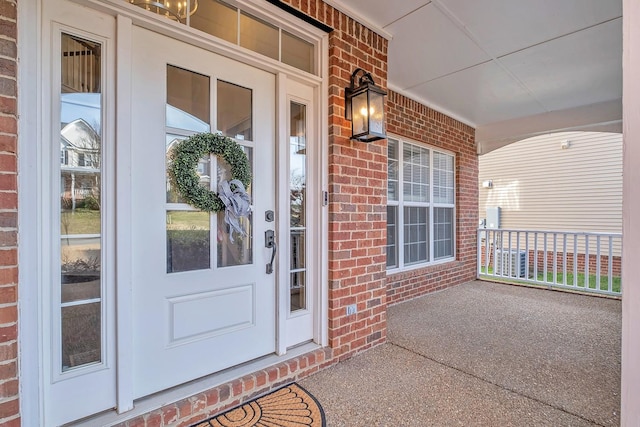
(32, 135)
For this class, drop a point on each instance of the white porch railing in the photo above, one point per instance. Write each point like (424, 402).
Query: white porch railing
(587, 262)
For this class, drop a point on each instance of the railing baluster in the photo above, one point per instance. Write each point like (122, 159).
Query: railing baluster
(586, 262)
(487, 252)
(610, 262)
(535, 256)
(598, 262)
(555, 258)
(510, 266)
(564, 258)
(518, 265)
(479, 253)
(575, 260)
(544, 270)
(495, 260)
(526, 260)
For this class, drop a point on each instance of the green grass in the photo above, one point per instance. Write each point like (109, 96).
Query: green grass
(86, 221)
(188, 220)
(80, 221)
(604, 280)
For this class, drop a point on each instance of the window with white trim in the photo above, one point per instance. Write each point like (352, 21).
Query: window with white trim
(420, 205)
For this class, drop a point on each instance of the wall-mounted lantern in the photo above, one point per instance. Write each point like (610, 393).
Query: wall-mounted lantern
(364, 106)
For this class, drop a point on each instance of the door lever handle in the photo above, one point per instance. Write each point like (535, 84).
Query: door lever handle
(274, 248)
(270, 242)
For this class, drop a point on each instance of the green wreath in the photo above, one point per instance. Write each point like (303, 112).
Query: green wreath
(184, 163)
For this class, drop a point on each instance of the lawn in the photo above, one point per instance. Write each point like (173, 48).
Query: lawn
(80, 221)
(87, 221)
(604, 280)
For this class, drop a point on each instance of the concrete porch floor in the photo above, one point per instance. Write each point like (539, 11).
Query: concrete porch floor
(484, 354)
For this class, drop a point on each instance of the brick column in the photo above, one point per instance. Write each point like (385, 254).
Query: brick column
(9, 404)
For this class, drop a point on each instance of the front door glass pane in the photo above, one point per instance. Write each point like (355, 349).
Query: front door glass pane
(188, 105)
(188, 241)
(188, 110)
(297, 205)
(80, 146)
(234, 112)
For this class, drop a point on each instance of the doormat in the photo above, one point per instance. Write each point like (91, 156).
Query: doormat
(289, 406)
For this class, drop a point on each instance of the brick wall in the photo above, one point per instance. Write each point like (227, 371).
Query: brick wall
(9, 404)
(357, 199)
(420, 123)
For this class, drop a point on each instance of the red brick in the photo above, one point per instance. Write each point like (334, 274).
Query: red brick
(8, 275)
(8, 219)
(8, 333)
(14, 422)
(8, 143)
(8, 238)
(8, 351)
(9, 389)
(9, 408)
(169, 414)
(8, 257)
(154, 420)
(212, 396)
(8, 162)
(8, 314)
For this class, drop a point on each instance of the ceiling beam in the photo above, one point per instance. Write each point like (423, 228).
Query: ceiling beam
(600, 117)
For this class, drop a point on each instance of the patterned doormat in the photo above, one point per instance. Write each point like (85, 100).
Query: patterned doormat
(289, 406)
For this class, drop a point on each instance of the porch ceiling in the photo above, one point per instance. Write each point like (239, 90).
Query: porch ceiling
(510, 68)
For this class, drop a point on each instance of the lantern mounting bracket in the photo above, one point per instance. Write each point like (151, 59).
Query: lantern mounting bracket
(364, 78)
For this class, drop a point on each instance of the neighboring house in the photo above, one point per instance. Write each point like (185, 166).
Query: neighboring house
(567, 181)
(142, 310)
(562, 182)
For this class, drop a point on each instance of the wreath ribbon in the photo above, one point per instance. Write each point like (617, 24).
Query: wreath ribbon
(237, 204)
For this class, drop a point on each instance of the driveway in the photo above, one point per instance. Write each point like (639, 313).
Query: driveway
(484, 354)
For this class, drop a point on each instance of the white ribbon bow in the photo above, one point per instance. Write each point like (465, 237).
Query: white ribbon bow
(237, 204)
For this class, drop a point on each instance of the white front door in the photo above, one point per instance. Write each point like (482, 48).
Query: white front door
(202, 298)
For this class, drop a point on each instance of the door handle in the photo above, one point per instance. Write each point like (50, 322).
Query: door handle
(270, 242)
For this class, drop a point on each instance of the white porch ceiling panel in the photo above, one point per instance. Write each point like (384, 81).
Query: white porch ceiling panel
(491, 63)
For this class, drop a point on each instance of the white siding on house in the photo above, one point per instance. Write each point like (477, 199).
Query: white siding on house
(541, 186)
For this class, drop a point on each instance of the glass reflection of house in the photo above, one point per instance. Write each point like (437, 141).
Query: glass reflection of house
(80, 149)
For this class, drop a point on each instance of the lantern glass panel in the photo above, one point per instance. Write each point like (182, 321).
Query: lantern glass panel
(360, 114)
(376, 112)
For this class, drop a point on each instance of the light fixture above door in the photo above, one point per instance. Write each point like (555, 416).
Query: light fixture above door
(178, 10)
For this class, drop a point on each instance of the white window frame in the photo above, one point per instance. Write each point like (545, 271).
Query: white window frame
(400, 204)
